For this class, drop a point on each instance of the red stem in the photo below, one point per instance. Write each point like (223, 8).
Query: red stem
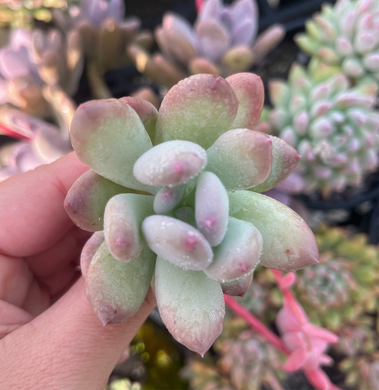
(199, 5)
(255, 323)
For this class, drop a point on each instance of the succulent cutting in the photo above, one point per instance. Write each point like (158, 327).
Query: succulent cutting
(166, 195)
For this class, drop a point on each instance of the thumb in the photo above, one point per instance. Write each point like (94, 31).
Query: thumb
(67, 347)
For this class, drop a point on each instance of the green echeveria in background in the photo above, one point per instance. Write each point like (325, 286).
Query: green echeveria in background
(333, 126)
(168, 190)
(345, 36)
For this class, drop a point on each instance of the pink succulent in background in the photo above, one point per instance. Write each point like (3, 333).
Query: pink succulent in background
(306, 342)
(222, 42)
(35, 59)
(167, 195)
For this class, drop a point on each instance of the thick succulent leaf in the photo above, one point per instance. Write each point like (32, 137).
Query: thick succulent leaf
(267, 41)
(211, 9)
(238, 254)
(202, 65)
(212, 38)
(86, 200)
(176, 24)
(177, 242)
(249, 90)
(239, 286)
(190, 304)
(123, 217)
(109, 136)
(288, 242)
(115, 289)
(146, 112)
(211, 207)
(238, 59)
(241, 158)
(167, 198)
(89, 250)
(198, 109)
(244, 32)
(284, 161)
(170, 163)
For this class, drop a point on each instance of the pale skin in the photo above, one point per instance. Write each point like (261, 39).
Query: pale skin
(49, 336)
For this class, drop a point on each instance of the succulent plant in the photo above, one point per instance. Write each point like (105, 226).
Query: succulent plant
(222, 42)
(244, 361)
(34, 65)
(179, 209)
(105, 35)
(40, 142)
(334, 127)
(345, 36)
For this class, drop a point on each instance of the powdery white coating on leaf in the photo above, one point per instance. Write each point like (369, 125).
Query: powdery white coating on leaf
(146, 112)
(109, 137)
(177, 242)
(284, 161)
(288, 242)
(89, 250)
(239, 286)
(190, 304)
(211, 207)
(85, 201)
(199, 109)
(241, 158)
(115, 289)
(167, 198)
(123, 217)
(170, 163)
(249, 90)
(238, 254)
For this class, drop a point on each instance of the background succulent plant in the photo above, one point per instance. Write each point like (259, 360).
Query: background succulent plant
(208, 232)
(333, 127)
(345, 36)
(223, 41)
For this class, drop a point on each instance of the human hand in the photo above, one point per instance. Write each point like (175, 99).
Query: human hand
(50, 337)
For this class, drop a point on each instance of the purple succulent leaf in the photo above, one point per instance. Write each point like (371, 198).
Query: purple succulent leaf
(211, 9)
(12, 65)
(123, 217)
(238, 254)
(20, 38)
(116, 290)
(25, 159)
(178, 25)
(211, 208)
(191, 305)
(177, 242)
(241, 9)
(116, 9)
(213, 39)
(243, 33)
(95, 11)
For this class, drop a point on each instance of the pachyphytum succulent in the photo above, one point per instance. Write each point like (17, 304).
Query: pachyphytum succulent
(181, 209)
(33, 60)
(333, 127)
(222, 42)
(346, 36)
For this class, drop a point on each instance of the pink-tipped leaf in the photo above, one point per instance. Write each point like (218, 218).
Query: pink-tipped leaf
(89, 250)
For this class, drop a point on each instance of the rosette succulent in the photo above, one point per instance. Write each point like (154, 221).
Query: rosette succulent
(33, 60)
(244, 361)
(223, 41)
(167, 196)
(345, 36)
(333, 127)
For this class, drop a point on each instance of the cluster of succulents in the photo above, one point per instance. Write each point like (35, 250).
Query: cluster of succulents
(244, 361)
(333, 126)
(36, 68)
(222, 42)
(345, 36)
(180, 209)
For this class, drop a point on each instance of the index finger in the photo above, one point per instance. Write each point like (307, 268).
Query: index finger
(32, 216)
